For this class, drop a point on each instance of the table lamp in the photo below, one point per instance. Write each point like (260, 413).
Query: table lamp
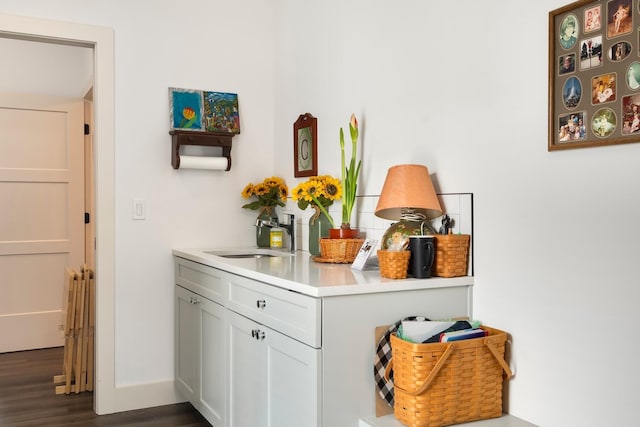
(408, 196)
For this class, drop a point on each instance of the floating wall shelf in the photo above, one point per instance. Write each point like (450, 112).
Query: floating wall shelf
(205, 139)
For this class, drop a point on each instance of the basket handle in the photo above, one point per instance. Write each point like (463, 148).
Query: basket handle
(432, 374)
(499, 358)
(490, 345)
(387, 370)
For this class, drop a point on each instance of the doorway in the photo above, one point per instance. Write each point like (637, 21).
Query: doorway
(101, 40)
(41, 226)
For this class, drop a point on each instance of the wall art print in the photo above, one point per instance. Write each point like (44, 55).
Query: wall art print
(594, 74)
(305, 146)
(204, 111)
(185, 106)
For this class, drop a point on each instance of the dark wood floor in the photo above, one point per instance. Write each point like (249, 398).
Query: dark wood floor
(28, 399)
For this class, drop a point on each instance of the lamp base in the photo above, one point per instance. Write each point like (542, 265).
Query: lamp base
(405, 228)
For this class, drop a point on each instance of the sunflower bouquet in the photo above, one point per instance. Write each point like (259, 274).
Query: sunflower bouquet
(320, 192)
(269, 193)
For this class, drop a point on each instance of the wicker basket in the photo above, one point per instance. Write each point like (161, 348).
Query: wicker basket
(451, 256)
(340, 250)
(448, 383)
(394, 265)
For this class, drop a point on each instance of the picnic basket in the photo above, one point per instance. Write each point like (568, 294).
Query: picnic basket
(441, 384)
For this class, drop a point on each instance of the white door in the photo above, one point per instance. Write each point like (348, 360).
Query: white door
(247, 393)
(187, 345)
(274, 380)
(212, 361)
(293, 381)
(41, 215)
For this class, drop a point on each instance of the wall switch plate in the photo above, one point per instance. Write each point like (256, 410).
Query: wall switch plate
(138, 209)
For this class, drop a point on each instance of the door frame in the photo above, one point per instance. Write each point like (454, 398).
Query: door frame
(101, 39)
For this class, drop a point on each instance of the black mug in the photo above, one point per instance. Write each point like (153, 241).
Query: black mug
(422, 252)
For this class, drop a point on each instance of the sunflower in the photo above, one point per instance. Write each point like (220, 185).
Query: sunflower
(270, 192)
(247, 191)
(260, 190)
(319, 191)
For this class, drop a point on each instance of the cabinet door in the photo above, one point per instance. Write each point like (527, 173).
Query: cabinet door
(199, 355)
(212, 362)
(274, 379)
(247, 386)
(293, 381)
(187, 345)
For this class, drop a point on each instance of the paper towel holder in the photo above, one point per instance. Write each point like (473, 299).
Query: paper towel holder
(206, 139)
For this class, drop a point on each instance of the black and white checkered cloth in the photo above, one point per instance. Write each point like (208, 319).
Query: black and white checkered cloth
(382, 359)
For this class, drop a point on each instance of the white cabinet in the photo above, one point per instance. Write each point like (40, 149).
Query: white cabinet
(293, 314)
(200, 365)
(273, 379)
(251, 354)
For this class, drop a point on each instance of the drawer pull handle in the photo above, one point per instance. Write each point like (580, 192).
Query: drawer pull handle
(257, 334)
(193, 300)
(261, 303)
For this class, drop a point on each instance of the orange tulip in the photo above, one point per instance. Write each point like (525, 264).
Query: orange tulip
(188, 113)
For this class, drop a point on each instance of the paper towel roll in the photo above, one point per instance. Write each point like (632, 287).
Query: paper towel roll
(203, 162)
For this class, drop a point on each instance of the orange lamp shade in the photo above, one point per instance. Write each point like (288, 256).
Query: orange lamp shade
(408, 188)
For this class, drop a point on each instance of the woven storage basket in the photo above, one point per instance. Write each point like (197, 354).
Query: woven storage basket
(394, 265)
(340, 250)
(451, 256)
(448, 383)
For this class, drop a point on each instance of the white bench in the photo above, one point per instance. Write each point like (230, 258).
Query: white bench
(504, 421)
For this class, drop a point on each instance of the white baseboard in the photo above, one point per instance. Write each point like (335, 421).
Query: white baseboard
(147, 395)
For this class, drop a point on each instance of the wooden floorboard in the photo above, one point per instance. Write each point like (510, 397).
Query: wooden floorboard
(28, 399)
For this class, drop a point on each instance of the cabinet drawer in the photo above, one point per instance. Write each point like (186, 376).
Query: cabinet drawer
(203, 280)
(290, 313)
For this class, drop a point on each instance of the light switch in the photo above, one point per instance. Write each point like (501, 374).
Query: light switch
(138, 208)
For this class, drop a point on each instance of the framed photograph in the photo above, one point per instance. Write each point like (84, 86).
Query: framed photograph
(305, 146)
(594, 74)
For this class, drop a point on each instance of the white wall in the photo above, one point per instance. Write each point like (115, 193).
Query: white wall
(45, 68)
(462, 88)
(459, 87)
(221, 46)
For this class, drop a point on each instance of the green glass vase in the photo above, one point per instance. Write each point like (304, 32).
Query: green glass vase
(267, 213)
(319, 226)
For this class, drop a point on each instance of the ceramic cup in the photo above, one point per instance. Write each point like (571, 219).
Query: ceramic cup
(422, 252)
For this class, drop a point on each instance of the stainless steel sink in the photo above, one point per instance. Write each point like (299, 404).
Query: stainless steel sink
(248, 256)
(248, 253)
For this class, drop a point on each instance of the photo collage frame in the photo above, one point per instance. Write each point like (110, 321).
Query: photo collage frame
(594, 74)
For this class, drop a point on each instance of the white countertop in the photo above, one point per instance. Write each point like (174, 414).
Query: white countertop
(298, 272)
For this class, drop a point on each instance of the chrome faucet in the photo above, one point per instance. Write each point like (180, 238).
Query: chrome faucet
(290, 227)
